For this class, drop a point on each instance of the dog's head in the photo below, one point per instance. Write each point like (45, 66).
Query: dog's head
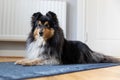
(44, 25)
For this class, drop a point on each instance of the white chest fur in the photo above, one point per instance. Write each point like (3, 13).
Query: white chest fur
(34, 49)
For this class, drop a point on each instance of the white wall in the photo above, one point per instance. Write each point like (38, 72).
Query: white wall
(71, 30)
(71, 19)
(103, 26)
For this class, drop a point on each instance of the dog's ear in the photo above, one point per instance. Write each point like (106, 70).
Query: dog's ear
(35, 16)
(53, 16)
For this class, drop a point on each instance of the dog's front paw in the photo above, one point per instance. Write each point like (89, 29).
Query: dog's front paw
(29, 62)
(20, 62)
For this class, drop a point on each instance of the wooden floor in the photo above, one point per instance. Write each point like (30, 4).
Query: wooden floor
(111, 73)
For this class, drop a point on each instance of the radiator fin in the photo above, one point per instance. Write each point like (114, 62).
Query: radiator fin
(15, 16)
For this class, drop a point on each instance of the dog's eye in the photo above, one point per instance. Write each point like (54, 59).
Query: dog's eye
(39, 24)
(46, 25)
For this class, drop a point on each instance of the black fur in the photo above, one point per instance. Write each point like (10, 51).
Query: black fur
(65, 51)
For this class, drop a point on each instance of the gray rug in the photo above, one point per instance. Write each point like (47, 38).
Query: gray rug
(10, 71)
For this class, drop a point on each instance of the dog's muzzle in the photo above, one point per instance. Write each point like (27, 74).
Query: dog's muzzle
(41, 32)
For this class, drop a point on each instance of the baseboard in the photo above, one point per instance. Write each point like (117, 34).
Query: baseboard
(15, 53)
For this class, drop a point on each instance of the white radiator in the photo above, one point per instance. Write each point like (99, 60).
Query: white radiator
(15, 16)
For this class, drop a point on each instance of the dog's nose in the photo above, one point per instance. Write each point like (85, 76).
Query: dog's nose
(41, 33)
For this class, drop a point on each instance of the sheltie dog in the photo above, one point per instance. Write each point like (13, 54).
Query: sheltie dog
(46, 45)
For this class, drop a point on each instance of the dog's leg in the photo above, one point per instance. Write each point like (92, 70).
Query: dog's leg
(36, 61)
(21, 61)
(98, 57)
(29, 62)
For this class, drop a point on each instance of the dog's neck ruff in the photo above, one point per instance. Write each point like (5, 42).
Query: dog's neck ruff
(35, 48)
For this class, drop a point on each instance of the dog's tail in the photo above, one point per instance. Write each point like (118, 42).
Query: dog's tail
(98, 57)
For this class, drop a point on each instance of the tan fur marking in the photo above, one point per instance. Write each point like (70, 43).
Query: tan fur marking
(39, 22)
(46, 23)
(48, 33)
(36, 33)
